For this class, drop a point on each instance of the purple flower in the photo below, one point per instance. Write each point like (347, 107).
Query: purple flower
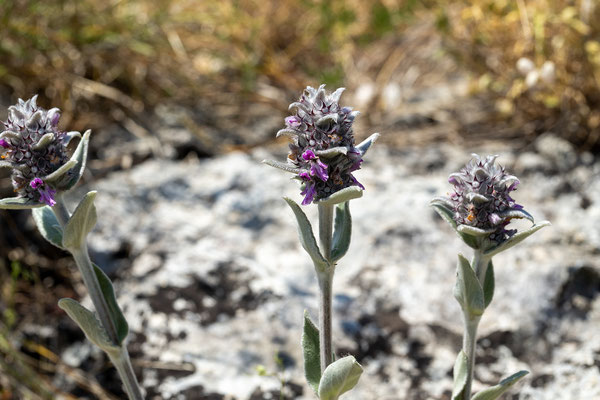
(34, 148)
(322, 151)
(292, 121)
(481, 197)
(46, 192)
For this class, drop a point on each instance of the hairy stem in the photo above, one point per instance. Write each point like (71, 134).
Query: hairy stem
(325, 286)
(479, 264)
(326, 229)
(325, 335)
(86, 268)
(469, 340)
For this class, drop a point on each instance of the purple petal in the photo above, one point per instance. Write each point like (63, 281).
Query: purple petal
(304, 175)
(356, 182)
(319, 169)
(36, 183)
(513, 185)
(309, 155)
(4, 143)
(309, 193)
(47, 196)
(292, 121)
(495, 218)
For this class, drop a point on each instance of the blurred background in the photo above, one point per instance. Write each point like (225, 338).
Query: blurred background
(188, 81)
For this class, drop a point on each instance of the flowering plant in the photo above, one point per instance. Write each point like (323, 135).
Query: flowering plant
(36, 151)
(322, 158)
(479, 210)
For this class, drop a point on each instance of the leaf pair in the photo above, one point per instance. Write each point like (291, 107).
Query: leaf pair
(88, 322)
(341, 235)
(338, 378)
(73, 235)
(460, 380)
(468, 291)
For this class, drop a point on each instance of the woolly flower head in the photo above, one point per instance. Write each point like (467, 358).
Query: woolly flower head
(322, 153)
(33, 146)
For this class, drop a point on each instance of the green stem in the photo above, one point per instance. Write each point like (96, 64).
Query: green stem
(471, 322)
(325, 286)
(121, 360)
(325, 331)
(469, 340)
(326, 229)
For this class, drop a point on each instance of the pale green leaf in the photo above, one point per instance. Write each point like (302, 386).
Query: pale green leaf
(81, 222)
(339, 377)
(311, 352)
(48, 225)
(496, 391)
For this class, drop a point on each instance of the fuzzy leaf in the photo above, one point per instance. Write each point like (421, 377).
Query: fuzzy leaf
(89, 324)
(48, 225)
(311, 352)
(460, 376)
(18, 203)
(443, 207)
(307, 237)
(339, 377)
(489, 284)
(116, 315)
(332, 152)
(70, 136)
(516, 238)
(80, 158)
(59, 174)
(287, 132)
(519, 214)
(349, 193)
(367, 143)
(81, 222)
(473, 231)
(496, 391)
(342, 231)
(281, 165)
(44, 141)
(468, 290)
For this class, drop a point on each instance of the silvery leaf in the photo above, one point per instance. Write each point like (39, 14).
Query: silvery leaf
(307, 237)
(332, 152)
(460, 376)
(44, 141)
(48, 225)
(80, 158)
(489, 284)
(349, 193)
(18, 203)
(516, 238)
(496, 391)
(116, 315)
(81, 222)
(284, 166)
(89, 324)
(473, 231)
(513, 213)
(468, 290)
(339, 377)
(342, 231)
(367, 143)
(70, 136)
(311, 351)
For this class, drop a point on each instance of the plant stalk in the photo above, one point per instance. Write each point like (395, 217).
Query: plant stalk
(325, 334)
(121, 361)
(325, 286)
(469, 341)
(471, 322)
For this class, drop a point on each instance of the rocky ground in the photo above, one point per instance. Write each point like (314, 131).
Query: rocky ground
(214, 283)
